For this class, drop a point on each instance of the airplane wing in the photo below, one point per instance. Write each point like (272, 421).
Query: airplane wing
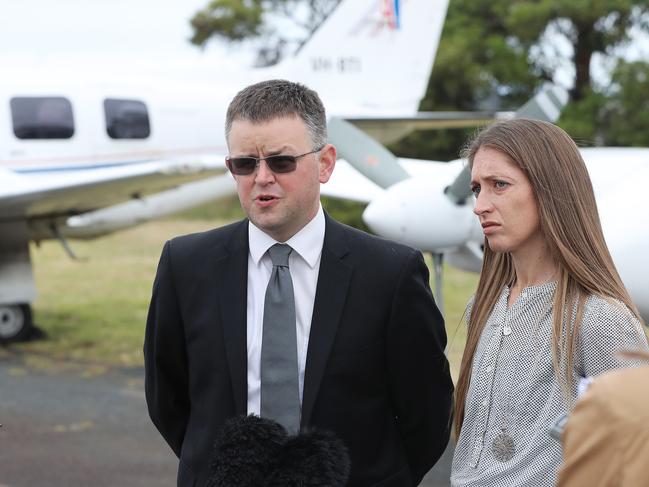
(34, 194)
(545, 105)
(390, 129)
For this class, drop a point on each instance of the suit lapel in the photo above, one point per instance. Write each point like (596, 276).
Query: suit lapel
(232, 272)
(331, 292)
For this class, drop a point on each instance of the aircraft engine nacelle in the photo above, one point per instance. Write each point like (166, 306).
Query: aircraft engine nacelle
(418, 213)
(157, 205)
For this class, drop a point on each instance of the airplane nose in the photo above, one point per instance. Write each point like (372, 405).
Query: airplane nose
(385, 217)
(418, 213)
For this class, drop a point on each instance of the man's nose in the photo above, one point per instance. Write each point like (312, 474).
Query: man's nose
(263, 174)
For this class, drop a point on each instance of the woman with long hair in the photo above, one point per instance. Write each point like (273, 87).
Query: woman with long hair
(549, 309)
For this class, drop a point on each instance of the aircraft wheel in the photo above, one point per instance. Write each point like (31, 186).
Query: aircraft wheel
(15, 322)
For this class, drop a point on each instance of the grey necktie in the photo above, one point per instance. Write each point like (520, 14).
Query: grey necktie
(280, 398)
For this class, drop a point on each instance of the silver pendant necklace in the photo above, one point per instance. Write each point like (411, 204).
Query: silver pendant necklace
(503, 446)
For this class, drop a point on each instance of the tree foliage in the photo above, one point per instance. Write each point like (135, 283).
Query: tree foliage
(626, 111)
(589, 26)
(496, 54)
(239, 20)
(232, 20)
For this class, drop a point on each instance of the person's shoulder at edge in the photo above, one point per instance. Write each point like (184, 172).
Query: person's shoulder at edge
(607, 427)
(620, 395)
(625, 393)
(627, 386)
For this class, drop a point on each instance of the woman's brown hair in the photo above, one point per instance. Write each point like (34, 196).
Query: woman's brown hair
(571, 227)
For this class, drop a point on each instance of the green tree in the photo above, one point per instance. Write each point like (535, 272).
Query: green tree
(589, 26)
(495, 54)
(626, 113)
(239, 20)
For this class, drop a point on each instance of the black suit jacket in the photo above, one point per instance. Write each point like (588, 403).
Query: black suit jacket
(376, 374)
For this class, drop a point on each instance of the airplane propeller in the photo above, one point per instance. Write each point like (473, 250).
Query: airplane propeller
(368, 156)
(460, 189)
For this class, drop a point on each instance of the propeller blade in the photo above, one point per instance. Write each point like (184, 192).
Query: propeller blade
(546, 105)
(467, 257)
(365, 154)
(460, 189)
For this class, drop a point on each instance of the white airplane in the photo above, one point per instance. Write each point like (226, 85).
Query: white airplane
(95, 151)
(85, 151)
(427, 204)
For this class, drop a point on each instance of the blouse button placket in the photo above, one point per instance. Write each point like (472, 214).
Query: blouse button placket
(486, 380)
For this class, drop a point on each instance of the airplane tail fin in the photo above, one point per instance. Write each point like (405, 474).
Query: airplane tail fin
(371, 56)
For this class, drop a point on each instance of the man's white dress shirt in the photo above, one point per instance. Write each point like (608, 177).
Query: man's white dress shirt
(304, 264)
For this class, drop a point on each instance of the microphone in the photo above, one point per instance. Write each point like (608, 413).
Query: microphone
(256, 452)
(313, 458)
(245, 452)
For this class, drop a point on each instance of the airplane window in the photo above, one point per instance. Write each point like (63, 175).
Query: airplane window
(126, 119)
(42, 117)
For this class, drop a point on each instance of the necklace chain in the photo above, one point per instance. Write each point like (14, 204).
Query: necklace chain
(503, 446)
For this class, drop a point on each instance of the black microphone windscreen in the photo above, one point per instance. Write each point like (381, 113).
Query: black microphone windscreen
(245, 452)
(314, 458)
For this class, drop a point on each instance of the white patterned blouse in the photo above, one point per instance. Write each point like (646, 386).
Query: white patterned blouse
(514, 396)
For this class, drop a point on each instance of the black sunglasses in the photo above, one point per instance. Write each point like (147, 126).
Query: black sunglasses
(281, 163)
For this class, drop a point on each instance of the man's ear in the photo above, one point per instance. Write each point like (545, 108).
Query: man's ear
(327, 162)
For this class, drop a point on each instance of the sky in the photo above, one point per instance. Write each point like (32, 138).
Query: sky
(40, 27)
(146, 33)
(34, 31)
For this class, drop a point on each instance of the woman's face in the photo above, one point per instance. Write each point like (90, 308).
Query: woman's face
(504, 202)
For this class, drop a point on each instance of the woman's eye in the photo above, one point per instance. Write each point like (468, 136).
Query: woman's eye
(501, 184)
(475, 190)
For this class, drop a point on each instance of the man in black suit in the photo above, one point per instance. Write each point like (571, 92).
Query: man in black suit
(368, 361)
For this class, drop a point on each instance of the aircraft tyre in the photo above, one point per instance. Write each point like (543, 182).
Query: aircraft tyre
(15, 322)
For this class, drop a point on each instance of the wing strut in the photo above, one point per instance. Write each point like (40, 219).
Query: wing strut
(64, 243)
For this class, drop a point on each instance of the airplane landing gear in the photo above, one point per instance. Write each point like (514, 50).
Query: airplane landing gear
(15, 322)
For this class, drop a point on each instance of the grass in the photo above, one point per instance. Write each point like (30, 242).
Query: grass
(94, 310)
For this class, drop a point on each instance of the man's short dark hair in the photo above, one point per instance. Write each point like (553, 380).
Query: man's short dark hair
(279, 98)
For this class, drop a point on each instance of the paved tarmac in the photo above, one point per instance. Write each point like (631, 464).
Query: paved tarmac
(74, 425)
